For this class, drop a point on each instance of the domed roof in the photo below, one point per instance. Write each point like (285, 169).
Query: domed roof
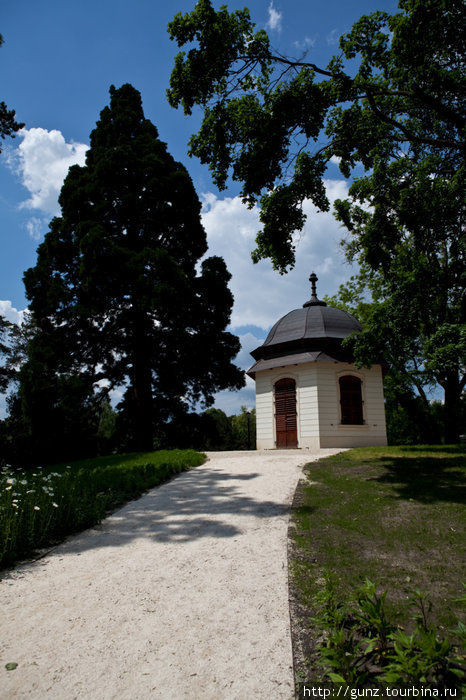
(311, 323)
(310, 334)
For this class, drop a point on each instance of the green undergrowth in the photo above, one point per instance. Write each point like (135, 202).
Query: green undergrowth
(396, 516)
(40, 507)
(361, 647)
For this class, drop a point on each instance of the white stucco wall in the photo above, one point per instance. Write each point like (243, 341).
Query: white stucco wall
(318, 407)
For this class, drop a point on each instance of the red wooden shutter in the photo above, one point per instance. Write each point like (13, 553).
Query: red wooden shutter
(285, 413)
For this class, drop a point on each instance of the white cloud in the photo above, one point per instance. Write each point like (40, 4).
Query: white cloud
(42, 161)
(304, 45)
(249, 342)
(45, 159)
(8, 311)
(35, 227)
(231, 401)
(333, 38)
(261, 295)
(274, 23)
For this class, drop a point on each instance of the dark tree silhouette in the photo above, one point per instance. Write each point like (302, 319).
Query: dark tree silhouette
(116, 294)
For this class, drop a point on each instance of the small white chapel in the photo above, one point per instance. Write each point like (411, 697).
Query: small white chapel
(309, 393)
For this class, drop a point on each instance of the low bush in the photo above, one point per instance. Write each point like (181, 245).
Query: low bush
(360, 647)
(45, 505)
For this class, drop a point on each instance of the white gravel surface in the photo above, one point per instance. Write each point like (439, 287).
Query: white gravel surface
(180, 594)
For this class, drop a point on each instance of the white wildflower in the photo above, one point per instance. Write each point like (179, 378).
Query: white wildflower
(55, 505)
(36, 508)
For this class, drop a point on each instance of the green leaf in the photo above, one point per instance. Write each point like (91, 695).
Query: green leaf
(336, 678)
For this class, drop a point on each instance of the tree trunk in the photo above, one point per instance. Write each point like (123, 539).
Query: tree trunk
(142, 386)
(452, 408)
(142, 417)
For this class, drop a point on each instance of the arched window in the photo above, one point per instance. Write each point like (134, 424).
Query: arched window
(351, 400)
(285, 413)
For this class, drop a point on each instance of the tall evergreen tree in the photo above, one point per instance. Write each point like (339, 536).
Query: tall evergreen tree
(116, 294)
(5, 331)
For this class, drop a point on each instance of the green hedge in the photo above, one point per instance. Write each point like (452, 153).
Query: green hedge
(42, 506)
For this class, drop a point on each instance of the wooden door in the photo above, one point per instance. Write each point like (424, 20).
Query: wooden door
(285, 413)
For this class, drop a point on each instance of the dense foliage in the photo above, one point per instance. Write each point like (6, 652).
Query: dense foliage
(6, 338)
(391, 105)
(120, 299)
(274, 123)
(361, 647)
(8, 127)
(417, 324)
(214, 430)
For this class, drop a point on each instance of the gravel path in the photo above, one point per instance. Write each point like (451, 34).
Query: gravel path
(180, 594)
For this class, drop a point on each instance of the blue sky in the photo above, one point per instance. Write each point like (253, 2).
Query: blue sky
(56, 66)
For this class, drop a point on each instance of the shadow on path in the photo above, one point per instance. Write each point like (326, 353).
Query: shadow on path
(196, 504)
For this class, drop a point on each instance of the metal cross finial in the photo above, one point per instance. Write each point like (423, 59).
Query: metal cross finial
(313, 279)
(314, 301)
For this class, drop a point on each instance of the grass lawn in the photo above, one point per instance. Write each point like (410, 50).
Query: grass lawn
(40, 507)
(394, 515)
